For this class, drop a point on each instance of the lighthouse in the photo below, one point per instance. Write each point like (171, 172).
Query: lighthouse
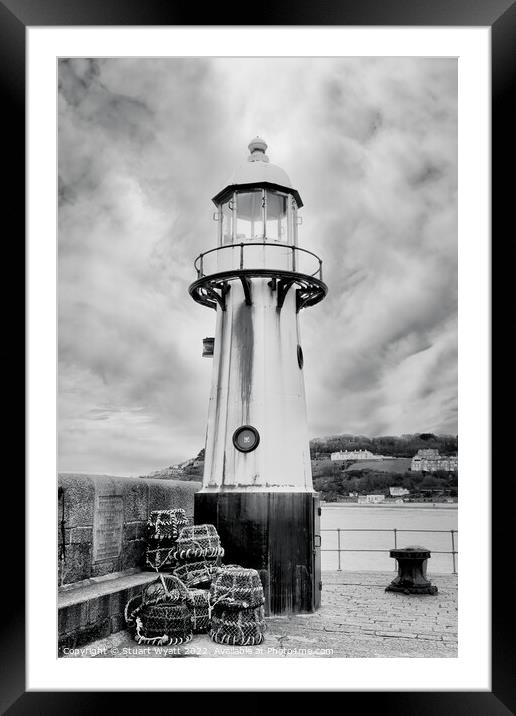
(257, 483)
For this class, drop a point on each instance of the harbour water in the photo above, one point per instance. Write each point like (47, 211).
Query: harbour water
(352, 516)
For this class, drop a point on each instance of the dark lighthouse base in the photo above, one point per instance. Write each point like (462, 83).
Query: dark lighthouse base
(276, 533)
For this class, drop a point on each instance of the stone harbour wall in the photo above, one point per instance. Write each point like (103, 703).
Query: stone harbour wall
(101, 521)
(96, 610)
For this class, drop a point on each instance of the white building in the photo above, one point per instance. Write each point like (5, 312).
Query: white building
(370, 499)
(429, 460)
(398, 491)
(355, 455)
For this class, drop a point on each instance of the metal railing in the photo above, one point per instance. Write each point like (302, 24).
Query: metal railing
(394, 531)
(199, 261)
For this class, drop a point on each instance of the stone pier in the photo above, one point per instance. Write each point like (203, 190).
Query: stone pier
(357, 619)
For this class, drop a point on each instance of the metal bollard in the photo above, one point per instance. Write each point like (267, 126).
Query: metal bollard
(411, 578)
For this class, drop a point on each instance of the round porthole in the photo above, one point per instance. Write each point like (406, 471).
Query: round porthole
(246, 438)
(300, 359)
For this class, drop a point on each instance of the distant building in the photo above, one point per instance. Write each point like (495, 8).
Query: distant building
(398, 491)
(370, 499)
(355, 455)
(429, 460)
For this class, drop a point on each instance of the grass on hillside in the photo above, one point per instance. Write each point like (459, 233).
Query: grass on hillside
(395, 464)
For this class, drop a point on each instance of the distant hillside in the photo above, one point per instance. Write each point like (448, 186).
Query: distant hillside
(391, 445)
(395, 464)
(334, 476)
(190, 470)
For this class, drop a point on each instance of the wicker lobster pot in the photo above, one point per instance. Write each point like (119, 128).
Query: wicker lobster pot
(228, 566)
(163, 528)
(160, 557)
(162, 613)
(165, 525)
(200, 610)
(236, 588)
(196, 574)
(243, 627)
(198, 542)
(164, 623)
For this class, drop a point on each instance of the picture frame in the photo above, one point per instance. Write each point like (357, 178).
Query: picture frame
(15, 18)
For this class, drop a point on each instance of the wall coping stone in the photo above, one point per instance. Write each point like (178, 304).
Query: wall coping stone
(99, 587)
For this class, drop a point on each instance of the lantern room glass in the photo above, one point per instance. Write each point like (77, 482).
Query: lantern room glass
(292, 221)
(277, 224)
(258, 215)
(226, 211)
(249, 210)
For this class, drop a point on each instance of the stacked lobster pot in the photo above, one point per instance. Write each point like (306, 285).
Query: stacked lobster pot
(197, 556)
(162, 613)
(163, 530)
(237, 612)
(200, 609)
(200, 595)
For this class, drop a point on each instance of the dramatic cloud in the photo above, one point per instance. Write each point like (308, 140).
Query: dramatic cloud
(144, 144)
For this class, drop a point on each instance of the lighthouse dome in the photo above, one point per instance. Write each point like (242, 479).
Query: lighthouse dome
(258, 168)
(258, 171)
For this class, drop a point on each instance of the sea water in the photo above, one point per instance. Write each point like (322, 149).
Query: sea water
(352, 516)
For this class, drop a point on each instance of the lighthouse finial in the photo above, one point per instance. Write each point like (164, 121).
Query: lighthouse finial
(257, 147)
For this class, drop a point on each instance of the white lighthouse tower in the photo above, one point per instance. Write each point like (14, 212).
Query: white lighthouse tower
(257, 485)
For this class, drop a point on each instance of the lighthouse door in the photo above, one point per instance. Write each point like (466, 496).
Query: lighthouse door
(316, 572)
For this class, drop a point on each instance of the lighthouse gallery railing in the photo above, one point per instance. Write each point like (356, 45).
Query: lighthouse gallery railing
(240, 247)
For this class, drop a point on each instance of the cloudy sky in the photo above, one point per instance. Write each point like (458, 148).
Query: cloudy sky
(371, 145)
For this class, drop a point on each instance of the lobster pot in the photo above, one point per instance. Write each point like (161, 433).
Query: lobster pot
(161, 614)
(163, 528)
(221, 567)
(166, 588)
(200, 610)
(196, 574)
(165, 525)
(198, 542)
(164, 623)
(160, 557)
(242, 627)
(237, 588)
(210, 555)
(131, 611)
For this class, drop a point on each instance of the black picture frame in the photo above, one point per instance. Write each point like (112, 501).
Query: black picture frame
(500, 15)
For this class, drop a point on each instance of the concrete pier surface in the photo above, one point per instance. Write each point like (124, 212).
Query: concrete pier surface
(357, 619)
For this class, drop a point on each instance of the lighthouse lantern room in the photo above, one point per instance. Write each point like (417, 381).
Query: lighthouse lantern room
(257, 484)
